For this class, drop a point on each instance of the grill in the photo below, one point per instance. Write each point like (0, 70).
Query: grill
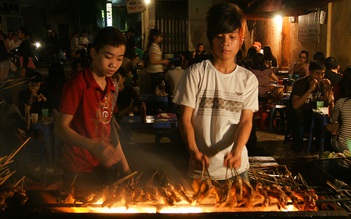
(333, 202)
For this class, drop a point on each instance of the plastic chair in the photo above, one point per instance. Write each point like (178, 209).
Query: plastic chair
(273, 116)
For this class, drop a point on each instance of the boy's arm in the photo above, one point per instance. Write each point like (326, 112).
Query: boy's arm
(242, 134)
(102, 150)
(188, 134)
(116, 141)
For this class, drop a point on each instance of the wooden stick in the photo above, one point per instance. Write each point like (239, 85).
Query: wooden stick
(16, 151)
(19, 181)
(6, 177)
(5, 172)
(125, 178)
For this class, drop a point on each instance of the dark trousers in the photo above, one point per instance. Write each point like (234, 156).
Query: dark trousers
(299, 123)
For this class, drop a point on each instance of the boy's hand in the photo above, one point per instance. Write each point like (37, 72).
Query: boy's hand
(41, 98)
(201, 159)
(232, 159)
(313, 84)
(106, 153)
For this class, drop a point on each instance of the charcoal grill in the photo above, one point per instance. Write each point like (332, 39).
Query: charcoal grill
(333, 202)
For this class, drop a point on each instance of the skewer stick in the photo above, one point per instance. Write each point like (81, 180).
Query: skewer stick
(6, 177)
(5, 172)
(19, 181)
(16, 151)
(151, 180)
(125, 178)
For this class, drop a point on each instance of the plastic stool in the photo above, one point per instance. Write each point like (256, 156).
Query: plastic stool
(272, 116)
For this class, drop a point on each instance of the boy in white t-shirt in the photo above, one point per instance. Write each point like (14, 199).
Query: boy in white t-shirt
(217, 99)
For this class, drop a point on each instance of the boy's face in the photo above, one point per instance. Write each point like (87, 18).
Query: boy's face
(318, 74)
(227, 45)
(108, 60)
(34, 86)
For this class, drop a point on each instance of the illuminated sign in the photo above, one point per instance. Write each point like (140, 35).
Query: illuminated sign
(109, 14)
(134, 6)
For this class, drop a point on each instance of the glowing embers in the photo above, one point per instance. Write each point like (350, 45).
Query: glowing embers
(272, 189)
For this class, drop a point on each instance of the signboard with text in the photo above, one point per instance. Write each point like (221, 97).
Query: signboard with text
(134, 6)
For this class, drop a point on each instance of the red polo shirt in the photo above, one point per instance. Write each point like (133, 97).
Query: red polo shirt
(92, 109)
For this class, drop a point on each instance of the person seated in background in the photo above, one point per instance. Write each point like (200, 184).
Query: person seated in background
(269, 59)
(130, 47)
(139, 51)
(173, 75)
(130, 65)
(300, 68)
(199, 54)
(15, 42)
(32, 99)
(78, 65)
(341, 113)
(263, 74)
(332, 70)
(186, 59)
(128, 100)
(319, 57)
(247, 62)
(258, 46)
(340, 87)
(305, 93)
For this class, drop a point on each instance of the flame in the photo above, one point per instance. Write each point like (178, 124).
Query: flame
(290, 208)
(177, 209)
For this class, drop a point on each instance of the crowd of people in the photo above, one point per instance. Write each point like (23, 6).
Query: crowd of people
(216, 95)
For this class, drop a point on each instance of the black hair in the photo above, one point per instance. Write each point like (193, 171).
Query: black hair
(319, 56)
(251, 52)
(224, 17)
(152, 34)
(330, 63)
(179, 60)
(268, 53)
(345, 83)
(304, 52)
(25, 30)
(258, 62)
(132, 30)
(316, 66)
(109, 36)
(199, 44)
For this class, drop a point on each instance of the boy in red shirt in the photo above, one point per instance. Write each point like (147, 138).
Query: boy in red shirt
(86, 123)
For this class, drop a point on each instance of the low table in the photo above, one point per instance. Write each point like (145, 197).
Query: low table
(159, 124)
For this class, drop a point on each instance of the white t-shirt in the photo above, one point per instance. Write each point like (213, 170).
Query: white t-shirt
(173, 76)
(156, 50)
(218, 100)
